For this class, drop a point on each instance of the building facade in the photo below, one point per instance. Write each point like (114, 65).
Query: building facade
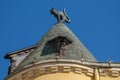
(59, 55)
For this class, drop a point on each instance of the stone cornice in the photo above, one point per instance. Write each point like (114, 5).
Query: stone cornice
(62, 65)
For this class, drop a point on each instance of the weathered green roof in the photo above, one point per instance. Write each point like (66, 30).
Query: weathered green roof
(75, 50)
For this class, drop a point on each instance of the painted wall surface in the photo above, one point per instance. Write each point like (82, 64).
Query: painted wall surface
(63, 76)
(109, 78)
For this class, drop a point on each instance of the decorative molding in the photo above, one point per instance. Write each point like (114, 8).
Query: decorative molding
(50, 67)
(109, 72)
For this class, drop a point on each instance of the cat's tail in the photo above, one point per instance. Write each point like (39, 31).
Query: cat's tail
(67, 18)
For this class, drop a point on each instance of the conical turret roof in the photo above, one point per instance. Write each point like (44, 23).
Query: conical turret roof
(48, 47)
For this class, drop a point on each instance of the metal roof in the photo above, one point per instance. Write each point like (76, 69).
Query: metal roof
(75, 50)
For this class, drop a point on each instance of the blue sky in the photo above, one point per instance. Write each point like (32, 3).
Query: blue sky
(95, 22)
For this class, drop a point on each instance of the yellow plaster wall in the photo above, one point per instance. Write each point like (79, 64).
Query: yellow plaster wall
(109, 78)
(63, 76)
